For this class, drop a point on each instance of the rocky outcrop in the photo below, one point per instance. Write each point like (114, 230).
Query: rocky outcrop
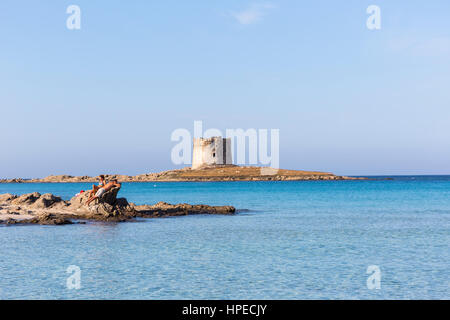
(47, 201)
(163, 209)
(109, 206)
(26, 199)
(16, 180)
(7, 197)
(47, 209)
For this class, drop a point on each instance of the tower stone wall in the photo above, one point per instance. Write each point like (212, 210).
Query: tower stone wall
(211, 151)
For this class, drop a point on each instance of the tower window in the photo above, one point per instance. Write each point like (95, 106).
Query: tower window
(214, 155)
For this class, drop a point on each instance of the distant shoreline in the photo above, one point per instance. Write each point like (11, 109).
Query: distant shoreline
(205, 174)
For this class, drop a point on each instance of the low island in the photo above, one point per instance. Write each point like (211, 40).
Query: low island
(205, 173)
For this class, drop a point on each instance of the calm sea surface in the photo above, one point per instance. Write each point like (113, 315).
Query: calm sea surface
(290, 240)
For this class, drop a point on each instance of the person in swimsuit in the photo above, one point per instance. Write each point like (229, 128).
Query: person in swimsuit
(103, 189)
(95, 187)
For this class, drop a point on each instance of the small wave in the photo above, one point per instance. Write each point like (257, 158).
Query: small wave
(425, 211)
(245, 210)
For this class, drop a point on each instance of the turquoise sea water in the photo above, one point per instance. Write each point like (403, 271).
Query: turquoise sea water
(290, 240)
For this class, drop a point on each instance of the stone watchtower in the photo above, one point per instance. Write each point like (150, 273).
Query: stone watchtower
(211, 151)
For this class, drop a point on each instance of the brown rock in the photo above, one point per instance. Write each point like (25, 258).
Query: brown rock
(47, 219)
(26, 199)
(163, 209)
(46, 201)
(7, 197)
(108, 206)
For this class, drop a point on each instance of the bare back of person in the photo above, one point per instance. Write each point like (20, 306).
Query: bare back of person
(110, 185)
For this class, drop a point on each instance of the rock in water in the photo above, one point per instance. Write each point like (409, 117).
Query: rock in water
(108, 205)
(47, 209)
(163, 209)
(48, 219)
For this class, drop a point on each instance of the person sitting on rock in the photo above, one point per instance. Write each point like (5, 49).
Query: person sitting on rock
(95, 187)
(104, 189)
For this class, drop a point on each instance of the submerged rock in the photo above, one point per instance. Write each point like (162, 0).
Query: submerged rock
(47, 219)
(163, 209)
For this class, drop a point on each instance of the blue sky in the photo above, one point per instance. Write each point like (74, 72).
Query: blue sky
(106, 98)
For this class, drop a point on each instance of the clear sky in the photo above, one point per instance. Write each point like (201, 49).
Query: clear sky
(106, 98)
